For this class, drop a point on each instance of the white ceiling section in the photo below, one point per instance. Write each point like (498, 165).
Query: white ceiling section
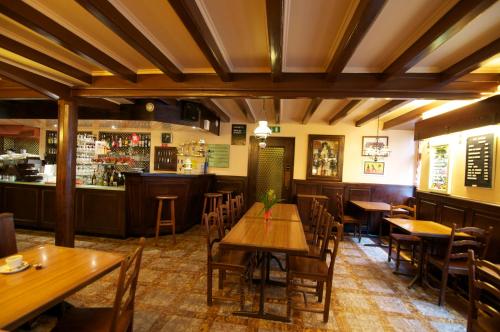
(295, 109)
(312, 29)
(230, 107)
(240, 30)
(397, 27)
(327, 109)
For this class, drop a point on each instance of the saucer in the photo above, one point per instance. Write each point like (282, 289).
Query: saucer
(5, 269)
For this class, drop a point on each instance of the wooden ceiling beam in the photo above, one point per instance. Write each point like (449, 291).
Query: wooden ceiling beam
(277, 110)
(105, 12)
(363, 18)
(357, 86)
(193, 20)
(97, 103)
(343, 112)
(208, 103)
(470, 63)
(245, 110)
(43, 85)
(35, 20)
(445, 28)
(313, 106)
(275, 19)
(386, 108)
(42, 58)
(411, 116)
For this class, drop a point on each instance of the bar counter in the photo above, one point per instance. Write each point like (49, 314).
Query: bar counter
(128, 210)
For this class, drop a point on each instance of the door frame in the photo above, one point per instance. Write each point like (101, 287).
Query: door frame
(288, 143)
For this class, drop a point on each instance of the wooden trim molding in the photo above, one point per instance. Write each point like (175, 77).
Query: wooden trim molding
(275, 21)
(313, 106)
(245, 110)
(386, 108)
(343, 112)
(411, 116)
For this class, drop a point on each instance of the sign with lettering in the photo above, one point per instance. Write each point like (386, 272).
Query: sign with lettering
(479, 161)
(239, 134)
(218, 155)
(439, 168)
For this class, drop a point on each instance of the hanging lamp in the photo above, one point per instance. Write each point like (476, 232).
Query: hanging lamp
(263, 130)
(378, 149)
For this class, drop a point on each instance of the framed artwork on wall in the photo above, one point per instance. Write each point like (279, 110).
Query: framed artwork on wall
(371, 143)
(439, 168)
(325, 156)
(374, 167)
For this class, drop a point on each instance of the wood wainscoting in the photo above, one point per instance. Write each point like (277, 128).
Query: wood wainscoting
(463, 212)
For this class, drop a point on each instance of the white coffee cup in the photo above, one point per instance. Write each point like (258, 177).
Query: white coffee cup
(14, 261)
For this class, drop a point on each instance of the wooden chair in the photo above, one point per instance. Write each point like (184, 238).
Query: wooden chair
(455, 260)
(316, 269)
(165, 222)
(8, 244)
(116, 319)
(484, 279)
(210, 201)
(316, 219)
(310, 223)
(345, 219)
(237, 261)
(235, 209)
(407, 240)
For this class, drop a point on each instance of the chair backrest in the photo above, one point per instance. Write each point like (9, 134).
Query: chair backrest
(478, 241)
(340, 207)
(235, 211)
(214, 228)
(8, 245)
(324, 232)
(318, 222)
(312, 210)
(410, 212)
(336, 230)
(484, 279)
(123, 309)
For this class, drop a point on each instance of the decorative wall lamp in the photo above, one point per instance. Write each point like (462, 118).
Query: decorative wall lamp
(263, 130)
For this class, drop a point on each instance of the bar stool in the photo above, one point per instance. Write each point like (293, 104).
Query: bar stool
(227, 196)
(165, 222)
(214, 201)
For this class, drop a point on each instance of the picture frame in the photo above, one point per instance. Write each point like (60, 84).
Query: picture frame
(374, 167)
(371, 142)
(325, 157)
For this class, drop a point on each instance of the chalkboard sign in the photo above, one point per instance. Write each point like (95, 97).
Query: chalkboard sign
(218, 155)
(479, 161)
(239, 134)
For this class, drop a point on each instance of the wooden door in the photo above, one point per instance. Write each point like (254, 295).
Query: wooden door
(271, 168)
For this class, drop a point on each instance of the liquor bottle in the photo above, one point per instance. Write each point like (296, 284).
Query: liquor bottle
(120, 142)
(94, 179)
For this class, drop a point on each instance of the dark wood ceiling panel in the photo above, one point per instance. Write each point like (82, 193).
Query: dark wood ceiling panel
(411, 116)
(42, 58)
(277, 109)
(193, 20)
(364, 16)
(470, 63)
(208, 103)
(343, 112)
(245, 110)
(105, 12)
(35, 20)
(313, 106)
(43, 85)
(386, 108)
(291, 86)
(445, 28)
(274, 13)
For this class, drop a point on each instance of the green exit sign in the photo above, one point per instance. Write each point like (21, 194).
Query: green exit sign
(275, 129)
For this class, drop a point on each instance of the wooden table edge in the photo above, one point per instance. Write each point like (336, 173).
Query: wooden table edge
(21, 320)
(236, 246)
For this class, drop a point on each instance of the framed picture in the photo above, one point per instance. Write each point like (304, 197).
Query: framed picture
(325, 157)
(374, 167)
(371, 142)
(166, 138)
(439, 168)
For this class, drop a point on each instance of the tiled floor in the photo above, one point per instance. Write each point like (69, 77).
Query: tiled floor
(367, 296)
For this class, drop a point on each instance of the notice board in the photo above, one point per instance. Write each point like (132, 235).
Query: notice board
(479, 161)
(218, 155)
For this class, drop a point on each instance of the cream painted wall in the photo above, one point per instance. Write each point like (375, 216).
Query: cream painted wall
(457, 142)
(399, 166)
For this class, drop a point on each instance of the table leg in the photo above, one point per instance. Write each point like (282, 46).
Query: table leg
(420, 271)
(261, 313)
(379, 243)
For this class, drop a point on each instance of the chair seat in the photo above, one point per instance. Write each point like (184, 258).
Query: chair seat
(167, 197)
(236, 259)
(455, 266)
(308, 266)
(213, 195)
(88, 319)
(350, 220)
(405, 238)
(486, 324)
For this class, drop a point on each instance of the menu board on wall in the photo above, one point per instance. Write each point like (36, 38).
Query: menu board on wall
(218, 155)
(479, 161)
(239, 134)
(439, 168)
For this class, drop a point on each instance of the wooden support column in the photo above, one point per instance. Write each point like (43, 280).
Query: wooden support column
(66, 172)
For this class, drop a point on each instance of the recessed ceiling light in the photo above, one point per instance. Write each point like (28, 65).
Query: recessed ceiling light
(113, 127)
(55, 125)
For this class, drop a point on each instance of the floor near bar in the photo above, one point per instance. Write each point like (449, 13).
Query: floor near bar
(172, 286)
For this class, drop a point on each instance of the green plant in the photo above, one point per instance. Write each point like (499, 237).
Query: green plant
(269, 199)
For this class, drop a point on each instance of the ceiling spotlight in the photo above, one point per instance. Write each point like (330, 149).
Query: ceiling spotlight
(150, 107)
(113, 127)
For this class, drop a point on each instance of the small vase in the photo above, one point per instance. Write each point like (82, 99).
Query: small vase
(267, 215)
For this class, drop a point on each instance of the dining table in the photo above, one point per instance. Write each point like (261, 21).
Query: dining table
(425, 229)
(54, 274)
(276, 235)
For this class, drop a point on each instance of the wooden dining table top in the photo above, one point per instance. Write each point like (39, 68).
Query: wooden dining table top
(278, 235)
(280, 211)
(372, 206)
(424, 228)
(64, 271)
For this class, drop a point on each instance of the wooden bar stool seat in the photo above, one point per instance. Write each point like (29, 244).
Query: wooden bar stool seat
(212, 201)
(165, 222)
